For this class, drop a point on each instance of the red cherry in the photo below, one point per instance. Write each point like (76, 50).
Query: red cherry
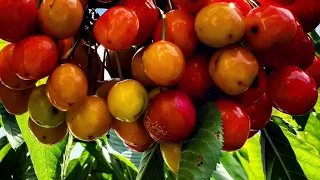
(196, 78)
(115, 24)
(171, 116)
(314, 70)
(179, 30)
(255, 91)
(269, 25)
(35, 57)
(252, 133)
(299, 52)
(307, 12)
(18, 19)
(292, 91)
(243, 6)
(260, 113)
(148, 15)
(235, 124)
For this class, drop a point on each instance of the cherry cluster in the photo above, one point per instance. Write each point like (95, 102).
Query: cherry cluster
(165, 59)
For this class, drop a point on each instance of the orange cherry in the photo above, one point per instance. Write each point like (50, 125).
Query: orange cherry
(164, 63)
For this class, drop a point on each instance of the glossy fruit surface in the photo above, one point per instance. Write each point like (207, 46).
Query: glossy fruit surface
(127, 100)
(227, 27)
(292, 91)
(313, 70)
(242, 5)
(233, 69)
(269, 25)
(113, 25)
(235, 124)
(256, 89)
(60, 18)
(66, 85)
(148, 16)
(137, 69)
(299, 52)
(252, 133)
(133, 133)
(89, 118)
(41, 111)
(171, 116)
(7, 76)
(179, 30)
(48, 136)
(18, 19)
(104, 89)
(171, 154)
(196, 79)
(163, 63)
(307, 12)
(15, 102)
(259, 113)
(35, 57)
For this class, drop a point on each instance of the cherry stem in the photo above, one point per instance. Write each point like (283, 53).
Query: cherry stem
(170, 5)
(253, 3)
(118, 65)
(163, 35)
(39, 4)
(66, 157)
(70, 51)
(121, 2)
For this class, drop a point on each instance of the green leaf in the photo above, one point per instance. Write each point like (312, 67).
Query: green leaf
(232, 166)
(4, 151)
(279, 159)
(252, 164)
(288, 118)
(283, 123)
(11, 127)
(316, 39)
(221, 173)
(201, 154)
(151, 165)
(82, 167)
(311, 133)
(46, 159)
(117, 146)
(2, 44)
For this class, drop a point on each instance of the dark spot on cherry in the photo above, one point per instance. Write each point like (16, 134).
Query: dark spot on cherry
(55, 110)
(230, 36)
(255, 83)
(240, 83)
(44, 137)
(90, 137)
(17, 86)
(254, 30)
(70, 103)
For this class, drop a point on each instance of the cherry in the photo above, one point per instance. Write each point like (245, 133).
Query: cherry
(299, 52)
(35, 57)
(255, 91)
(133, 134)
(104, 88)
(307, 12)
(171, 116)
(313, 70)
(18, 19)
(163, 63)
(292, 91)
(235, 124)
(259, 113)
(138, 71)
(179, 30)
(115, 24)
(196, 79)
(269, 25)
(252, 133)
(7, 76)
(138, 148)
(59, 18)
(148, 16)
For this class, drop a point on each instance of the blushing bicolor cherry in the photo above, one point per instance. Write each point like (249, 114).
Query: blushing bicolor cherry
(148, 16)
(292, 91)
(171, 116)
(307, 12)
(115, 24)
(18, 19)
(235, 124)
(7, 75)
(314, 70)
(256, 89)
(196, 78)
(35, 57)
(269, 25)
(179, 30)
(259, 113)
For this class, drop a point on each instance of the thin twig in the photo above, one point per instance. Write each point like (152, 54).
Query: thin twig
(66, 157)
(118, 65)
